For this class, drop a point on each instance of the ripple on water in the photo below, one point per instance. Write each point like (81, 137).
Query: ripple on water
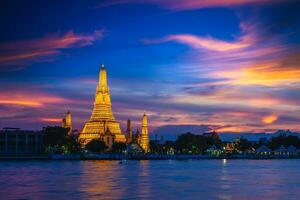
(164, 179)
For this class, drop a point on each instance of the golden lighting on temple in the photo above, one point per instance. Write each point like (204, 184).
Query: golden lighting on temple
(67, 121)
(102, 124)
(144, 141)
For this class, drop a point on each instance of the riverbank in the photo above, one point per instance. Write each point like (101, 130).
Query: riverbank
(143, 157)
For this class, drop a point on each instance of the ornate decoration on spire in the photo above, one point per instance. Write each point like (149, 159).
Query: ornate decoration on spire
(102, 117)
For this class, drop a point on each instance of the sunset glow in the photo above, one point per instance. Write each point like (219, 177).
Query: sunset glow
(269, 119)
(229, 65)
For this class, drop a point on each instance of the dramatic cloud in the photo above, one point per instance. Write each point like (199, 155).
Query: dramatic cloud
(239, 82)
(201, 42)
(190, 4)
(20, 52)
(229, 70)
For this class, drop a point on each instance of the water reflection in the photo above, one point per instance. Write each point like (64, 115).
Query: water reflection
(202, 179)
(101, 180)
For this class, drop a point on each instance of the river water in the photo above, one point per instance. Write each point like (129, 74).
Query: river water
(155, 179)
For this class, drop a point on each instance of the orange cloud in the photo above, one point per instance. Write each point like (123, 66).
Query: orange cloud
(20, 102)
(269, 119)
(271, 73)
(230, 129)
(30, 100)
(53, 120)
(42, 48)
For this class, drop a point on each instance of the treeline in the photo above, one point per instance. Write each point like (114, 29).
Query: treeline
(189, 143)
(57, 140)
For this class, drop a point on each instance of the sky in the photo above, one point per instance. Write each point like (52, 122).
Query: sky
(227, 65)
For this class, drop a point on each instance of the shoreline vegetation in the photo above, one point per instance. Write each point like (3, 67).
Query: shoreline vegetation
(110, 156)
(57, 144)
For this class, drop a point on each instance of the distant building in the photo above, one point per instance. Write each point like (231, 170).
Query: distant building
(67, 122)
(16, 142)
(280, 151)
(263, 150)
(214, 150)
(136, 137)
(128, 135)
(229, 148)
(292, 150)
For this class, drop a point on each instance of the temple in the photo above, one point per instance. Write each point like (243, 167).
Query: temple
(67, 122)
(144, 137)
(102, 120)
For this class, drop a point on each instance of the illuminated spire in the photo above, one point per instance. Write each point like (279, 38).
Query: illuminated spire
(102, 117)
(103, 78)
(144, 142)
(67, 121)
(145, 121)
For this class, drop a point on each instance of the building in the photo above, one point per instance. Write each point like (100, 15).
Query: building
(108, 138)
(136, 137)
(144, 137)
(16, 142)
(292, 150)
(67, 122)
(128, 135)
(280, 151)
(229, 148)
(214, 150)
(263, 150)
(102, 117)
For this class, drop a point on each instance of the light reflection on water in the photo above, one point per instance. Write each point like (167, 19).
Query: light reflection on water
(168, 179)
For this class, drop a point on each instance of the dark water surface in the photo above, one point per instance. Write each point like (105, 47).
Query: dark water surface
(164, 179)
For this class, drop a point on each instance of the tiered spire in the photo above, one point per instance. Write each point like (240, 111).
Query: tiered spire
(67, 121)
(144, 141)
(102, 113)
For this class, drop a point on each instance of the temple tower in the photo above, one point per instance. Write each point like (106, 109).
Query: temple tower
(67, 121)
(102, 117)
(144, 138)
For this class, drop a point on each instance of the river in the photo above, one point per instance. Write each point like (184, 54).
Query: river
(151, 179)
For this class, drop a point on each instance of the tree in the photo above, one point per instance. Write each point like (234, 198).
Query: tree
(96, 146)
(72, 146)
(155, 147)
(243, 145)
(190, 143)
(57, 140)
(55, 136)
(285, 141)
(118, 147)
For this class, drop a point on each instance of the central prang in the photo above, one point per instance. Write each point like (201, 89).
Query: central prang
(102, 124)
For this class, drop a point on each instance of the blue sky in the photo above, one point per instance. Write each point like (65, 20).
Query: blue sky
(232, 66)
